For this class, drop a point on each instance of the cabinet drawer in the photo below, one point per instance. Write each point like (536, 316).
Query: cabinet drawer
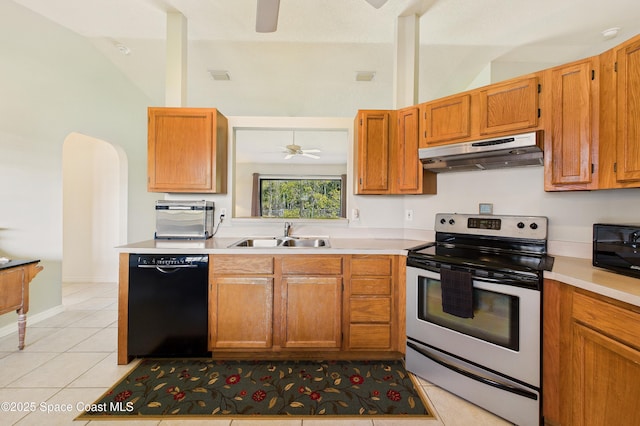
(311, 265)
(371, 286)
(371, 265)
(233, 264)
(369, 336)
(615, 321)
(370, 309)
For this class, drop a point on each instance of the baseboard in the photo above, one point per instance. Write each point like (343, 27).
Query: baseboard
(31, 319)
(89, 279)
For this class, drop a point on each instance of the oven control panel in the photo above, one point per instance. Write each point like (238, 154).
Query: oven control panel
(531, 227)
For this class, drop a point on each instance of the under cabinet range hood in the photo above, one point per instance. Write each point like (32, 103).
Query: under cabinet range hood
(498, 153)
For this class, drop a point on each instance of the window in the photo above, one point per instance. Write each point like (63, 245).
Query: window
(310, 197)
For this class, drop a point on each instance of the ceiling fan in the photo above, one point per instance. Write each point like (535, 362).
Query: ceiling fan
(267, 14)
(292, 150)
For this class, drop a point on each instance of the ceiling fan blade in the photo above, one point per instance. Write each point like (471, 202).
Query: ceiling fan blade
(310, 155)
(267, 16)
(289, 156)
(376, 3)
(311, 150)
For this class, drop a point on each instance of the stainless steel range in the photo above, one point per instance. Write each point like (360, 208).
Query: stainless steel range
(474, 311)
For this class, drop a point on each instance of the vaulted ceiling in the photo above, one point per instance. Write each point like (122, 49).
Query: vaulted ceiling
(308, 66)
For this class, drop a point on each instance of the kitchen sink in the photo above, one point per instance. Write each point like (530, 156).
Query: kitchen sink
(266, 242)
(305, 242)
(258, 242)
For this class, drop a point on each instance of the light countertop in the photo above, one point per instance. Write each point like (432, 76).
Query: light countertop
(580, 273)
(221, 246)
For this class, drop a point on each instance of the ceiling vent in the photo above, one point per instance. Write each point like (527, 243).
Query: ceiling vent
(220, 75)
(122, 48)
(365, 75)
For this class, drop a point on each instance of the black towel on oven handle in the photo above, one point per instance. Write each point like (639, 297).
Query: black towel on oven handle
(457, 292)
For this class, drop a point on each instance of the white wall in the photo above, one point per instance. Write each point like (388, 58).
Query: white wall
(520, 192)
(94, 209)
(54, 83)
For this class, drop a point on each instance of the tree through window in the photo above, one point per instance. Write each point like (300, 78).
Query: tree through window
(307, 197)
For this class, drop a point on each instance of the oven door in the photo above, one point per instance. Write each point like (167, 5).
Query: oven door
(506, 398)
(502, 337)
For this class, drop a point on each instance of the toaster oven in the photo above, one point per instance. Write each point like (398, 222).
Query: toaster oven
(184, 220)
(617, 248)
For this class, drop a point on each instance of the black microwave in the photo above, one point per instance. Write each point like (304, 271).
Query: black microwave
(617, 248)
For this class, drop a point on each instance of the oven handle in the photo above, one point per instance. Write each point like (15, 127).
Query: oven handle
(532, 282)
(485, 380)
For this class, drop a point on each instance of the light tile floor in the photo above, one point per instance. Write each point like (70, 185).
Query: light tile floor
(70, 360)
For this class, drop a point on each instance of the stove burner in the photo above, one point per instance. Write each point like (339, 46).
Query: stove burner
(501, 250)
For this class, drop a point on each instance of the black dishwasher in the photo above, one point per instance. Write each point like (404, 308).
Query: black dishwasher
(168, 305)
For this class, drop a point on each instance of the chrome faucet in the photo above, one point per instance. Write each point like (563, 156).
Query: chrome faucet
(287, 228)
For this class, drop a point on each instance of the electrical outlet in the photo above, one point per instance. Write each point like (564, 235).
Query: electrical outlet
(408, 215)
(223, 212)
(355, 214)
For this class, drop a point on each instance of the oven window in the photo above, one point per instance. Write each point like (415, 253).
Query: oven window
(495, 320)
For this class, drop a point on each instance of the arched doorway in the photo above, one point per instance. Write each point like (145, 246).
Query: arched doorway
(94, 216)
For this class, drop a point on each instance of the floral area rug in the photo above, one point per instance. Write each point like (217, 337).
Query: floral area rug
(203, 387)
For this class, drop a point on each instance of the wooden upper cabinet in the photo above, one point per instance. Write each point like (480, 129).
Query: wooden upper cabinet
(593, 138)
(510, 106)
(410, 177)
(187, 150)
(372, 156)
(386, 153)
(628, 124)
(574, 97)
(498, 109)
(446, 120)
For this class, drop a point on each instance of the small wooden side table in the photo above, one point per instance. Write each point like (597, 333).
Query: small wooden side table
(15, 277)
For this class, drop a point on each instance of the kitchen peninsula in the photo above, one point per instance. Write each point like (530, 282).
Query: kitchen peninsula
(345, 301)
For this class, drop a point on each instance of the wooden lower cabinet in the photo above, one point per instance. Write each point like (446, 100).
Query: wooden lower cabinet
(372, 304)
(241, 302)
(591, 360)
(243, 313)
(305, 306)
(311, 313)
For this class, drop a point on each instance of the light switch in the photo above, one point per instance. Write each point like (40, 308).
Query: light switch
(408, 215)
